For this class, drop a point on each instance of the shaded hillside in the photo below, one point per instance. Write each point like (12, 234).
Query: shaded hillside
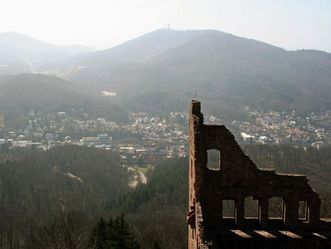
(136, 50)
(158, 210)
(287, 159)
(23, 54)
(226, 71)
(82, 183)
(46, 94)
(36, 186)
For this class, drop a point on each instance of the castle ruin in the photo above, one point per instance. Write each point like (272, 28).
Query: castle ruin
(236, 180)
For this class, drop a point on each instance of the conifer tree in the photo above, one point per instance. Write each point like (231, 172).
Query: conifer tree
(98, 238)
(156, 245)
(115, 234)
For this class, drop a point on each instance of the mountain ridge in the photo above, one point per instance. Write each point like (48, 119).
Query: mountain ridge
(161, 71)
(23, 54)
(227, 71)
(19, 94)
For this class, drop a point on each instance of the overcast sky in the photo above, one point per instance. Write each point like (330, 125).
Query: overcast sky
(291, 24)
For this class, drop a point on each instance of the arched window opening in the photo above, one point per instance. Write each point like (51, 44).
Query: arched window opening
(276, 208)
(213, 159)
(303, 211)
(251, 207)
(228, 209)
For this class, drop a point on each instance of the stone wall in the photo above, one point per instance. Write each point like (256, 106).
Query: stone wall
(237, 178)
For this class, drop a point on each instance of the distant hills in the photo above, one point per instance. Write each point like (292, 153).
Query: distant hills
(161, 71)
(19, 94)
(137, 50)
(23, 54)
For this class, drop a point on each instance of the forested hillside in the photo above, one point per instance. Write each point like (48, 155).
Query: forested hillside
(158, 210)
(67, 189)
(161, 71)
(36, 187)
(22, 54)
(43, 94)
(95, 142)
(314, 163)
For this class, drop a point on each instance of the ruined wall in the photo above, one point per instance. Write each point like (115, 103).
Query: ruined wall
(237, 178)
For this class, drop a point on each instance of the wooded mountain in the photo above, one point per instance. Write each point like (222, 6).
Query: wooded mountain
(84, 183)
(23, 54)
(136, 50)
(19, 94)
(162, 70)
(38, 187)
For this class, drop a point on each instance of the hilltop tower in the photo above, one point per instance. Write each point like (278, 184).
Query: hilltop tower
(212, 192)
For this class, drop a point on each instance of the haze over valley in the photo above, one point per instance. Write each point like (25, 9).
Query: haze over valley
(94, 141)
(162, 70)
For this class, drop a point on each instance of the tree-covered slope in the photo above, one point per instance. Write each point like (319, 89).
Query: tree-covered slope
(22, 54)
(226, 71)
(158, 210)
(20, 94)
(36, 186)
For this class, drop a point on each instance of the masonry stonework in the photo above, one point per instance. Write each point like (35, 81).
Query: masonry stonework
(236, 179)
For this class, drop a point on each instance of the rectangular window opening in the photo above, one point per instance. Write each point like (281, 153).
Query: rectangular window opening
(251, 208)
(213, 159)
(276, 208)
(228, 209)
(303, 211)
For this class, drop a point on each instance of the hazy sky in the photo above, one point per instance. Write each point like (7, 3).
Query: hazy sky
(292, 24)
